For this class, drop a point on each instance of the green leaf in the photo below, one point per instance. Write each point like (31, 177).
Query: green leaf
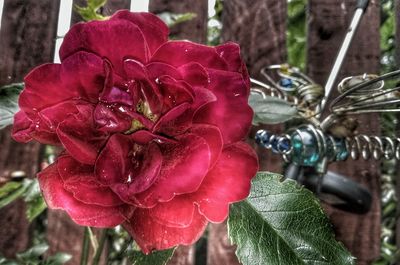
(281, 223)
(13, 190)
(9, 103)
(172, 19)
(271, 110)
(58, 259)
(33, 252)
(155, 258)
(90, 12)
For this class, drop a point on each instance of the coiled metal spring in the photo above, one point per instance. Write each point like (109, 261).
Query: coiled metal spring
(374, 147)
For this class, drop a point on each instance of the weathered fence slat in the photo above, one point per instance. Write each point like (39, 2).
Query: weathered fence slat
(328, 24)
(26, 39)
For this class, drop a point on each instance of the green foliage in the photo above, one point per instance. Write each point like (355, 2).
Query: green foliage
(9, 103)
(154, 258)
(296, 33)
(281, 223)
(271, 110)
(34, 256)
(172, 19)
(91, 11)
(29, 190)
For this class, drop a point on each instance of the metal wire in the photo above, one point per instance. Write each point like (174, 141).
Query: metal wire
(376, 147)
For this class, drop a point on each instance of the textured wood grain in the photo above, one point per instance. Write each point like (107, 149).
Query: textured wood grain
(195, 29)
(328, 22)
(27, 37)
(259, 28)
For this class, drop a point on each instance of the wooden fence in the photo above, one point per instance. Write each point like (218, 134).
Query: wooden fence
(27, 38)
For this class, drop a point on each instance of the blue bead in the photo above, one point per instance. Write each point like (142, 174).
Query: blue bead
(262, 138)
(286, 82)
(274, 145)
(284, 145)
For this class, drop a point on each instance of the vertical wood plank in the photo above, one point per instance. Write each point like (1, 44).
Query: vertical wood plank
(195, 29)
(26, 39)
(259, 27)
(329, 20)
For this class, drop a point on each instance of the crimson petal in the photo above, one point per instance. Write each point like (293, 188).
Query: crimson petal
(79, 136)
(229, 181)
(79, 179)
(84, 214)
(231, 112)
(184, 167)
(152, 235)
(184, 52)
(113, 39)
(79, 76)
(154, 29)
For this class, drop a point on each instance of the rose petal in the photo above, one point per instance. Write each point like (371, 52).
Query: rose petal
(184, 167)
(79, 179)
(194, 74)
(229, 181)
(231, 112)
(230, 52)
(154, 29)
(127, 167)
(23, 127)
(109, 120)
(176, 213)
(114, 39)
(84, 214)
(157, 69)
(178, 53)
(213, 137)
(79, 136)
(112, 165)
(152, 235)
(79, 76)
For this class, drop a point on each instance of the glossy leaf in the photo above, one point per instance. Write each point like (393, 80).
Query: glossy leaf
(271, 110)
(281, 223)
(155, 258)
(9, 103)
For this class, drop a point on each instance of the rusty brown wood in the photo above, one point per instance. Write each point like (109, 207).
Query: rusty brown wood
(259, 27)
(328, 22)
(27, 37)
(195, 29)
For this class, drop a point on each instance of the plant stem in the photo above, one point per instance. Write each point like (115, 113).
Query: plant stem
(100, 248)
(85, 247)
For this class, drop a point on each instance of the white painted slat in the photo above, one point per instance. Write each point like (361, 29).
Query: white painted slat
(64, 21)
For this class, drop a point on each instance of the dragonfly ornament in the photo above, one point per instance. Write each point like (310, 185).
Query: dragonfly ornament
(316, 140)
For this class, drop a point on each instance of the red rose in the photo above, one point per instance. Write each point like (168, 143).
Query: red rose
(152, 129)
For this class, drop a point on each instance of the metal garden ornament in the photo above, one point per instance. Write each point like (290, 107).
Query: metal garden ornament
(308, 148)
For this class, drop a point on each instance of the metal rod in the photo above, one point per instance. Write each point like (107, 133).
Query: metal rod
(340, 57)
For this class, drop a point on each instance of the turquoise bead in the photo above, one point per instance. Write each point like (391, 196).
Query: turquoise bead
(305, 148)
